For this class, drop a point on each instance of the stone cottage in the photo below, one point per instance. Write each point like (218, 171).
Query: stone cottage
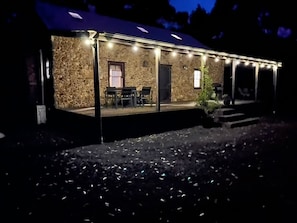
(76, 54)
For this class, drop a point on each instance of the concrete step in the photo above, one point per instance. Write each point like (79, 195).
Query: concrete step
(231, 117)
(242, 122)
(224, 111)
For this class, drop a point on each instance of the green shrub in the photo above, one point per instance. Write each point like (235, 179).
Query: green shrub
(207, 99)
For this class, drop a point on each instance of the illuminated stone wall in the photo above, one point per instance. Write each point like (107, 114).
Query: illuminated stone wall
(139, 65)
(73, 71)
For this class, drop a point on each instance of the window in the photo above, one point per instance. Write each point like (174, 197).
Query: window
(176, 36)
(116, 74)
(142, 29)
(75, 15)
(197, 79)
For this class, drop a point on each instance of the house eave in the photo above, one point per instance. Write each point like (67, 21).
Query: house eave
(147, 43)
(165, 46)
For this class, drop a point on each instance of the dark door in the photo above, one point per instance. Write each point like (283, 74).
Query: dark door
(265, 88)
(165, 83)
(227, 89)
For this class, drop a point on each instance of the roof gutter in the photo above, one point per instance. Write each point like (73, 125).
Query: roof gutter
(151, 44)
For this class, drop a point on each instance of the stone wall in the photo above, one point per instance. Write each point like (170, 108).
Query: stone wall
(182, 75)
(216, 70)
(139, 66)
(73, 71)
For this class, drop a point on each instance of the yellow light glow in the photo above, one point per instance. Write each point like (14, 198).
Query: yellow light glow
(110, 45)
(89, 42)
(174, 53)
(204, 58)
(217, 59)
(157, 51)
(227, 61)
(135, 48)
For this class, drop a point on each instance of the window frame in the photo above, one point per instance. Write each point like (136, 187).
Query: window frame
(116, 63)
(195, 80)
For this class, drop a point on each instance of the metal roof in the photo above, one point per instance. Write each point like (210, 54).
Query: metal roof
(63, 19)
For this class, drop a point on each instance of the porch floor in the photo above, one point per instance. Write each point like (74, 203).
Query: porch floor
(133, 122)
(174, 106)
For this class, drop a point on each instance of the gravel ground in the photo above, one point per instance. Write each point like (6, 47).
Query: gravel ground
(244, 174)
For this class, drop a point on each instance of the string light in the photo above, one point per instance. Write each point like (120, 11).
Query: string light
(157, 51)
(204, 58)
(135, 48)
(200, 52)
(227, 61)
(89, 41)
(110, 45)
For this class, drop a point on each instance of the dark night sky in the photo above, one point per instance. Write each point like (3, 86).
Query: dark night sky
(190, 5)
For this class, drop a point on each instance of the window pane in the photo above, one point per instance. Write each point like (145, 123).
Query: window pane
(197, 78)
(116, 75)
(116, 78)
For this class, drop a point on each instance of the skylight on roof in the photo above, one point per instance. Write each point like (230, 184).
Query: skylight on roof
(176, 36)
(75, 15)
(142, 29)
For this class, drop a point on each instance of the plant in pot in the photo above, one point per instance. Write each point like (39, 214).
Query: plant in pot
(226, 99)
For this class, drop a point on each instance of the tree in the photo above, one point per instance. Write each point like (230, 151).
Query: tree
(253, 27)
(182, 19)
(199, 26)
(142, 11)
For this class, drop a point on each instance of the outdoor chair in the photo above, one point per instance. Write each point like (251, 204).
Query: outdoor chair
(128, 95)
(145, 96)
(244, 93)
(111, 96)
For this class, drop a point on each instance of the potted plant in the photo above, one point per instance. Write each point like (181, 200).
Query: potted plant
(226, 99)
